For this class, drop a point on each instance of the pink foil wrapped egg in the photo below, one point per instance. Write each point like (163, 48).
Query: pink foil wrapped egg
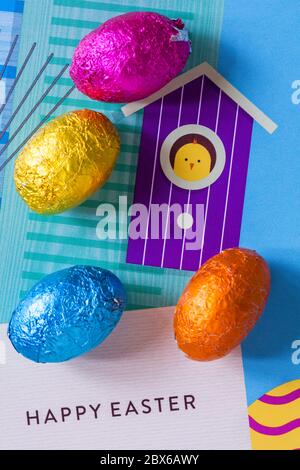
(130, 57)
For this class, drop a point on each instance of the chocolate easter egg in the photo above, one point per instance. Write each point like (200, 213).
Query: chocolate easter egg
(67, 314)
(130, 56)
(66, 161)
(221, 304)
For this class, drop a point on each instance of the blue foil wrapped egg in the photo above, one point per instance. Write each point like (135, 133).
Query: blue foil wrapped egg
(67, 313)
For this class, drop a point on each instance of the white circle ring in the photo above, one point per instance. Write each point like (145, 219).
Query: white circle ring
(185, 220)
(166, 163)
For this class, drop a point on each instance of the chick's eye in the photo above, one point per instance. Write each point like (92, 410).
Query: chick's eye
(198, 161)
(185, 159)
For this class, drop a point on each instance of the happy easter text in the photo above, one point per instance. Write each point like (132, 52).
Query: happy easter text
(115, 409)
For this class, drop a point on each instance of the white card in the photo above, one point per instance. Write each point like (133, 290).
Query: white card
(166, 401)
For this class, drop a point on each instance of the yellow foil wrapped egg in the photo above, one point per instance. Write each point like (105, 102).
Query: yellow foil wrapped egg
(66, 161)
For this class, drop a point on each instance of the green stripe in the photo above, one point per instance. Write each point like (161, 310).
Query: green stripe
(34, 276)
(93, 204)
(143, 289)
(129, 306)
(81, 103)
(60, 60)
(65, 81)
(139, 307)
(125, 167)
(22, 294)
(57, 41)
(58, 259)
(126, 128)
(43, 116)
(129, 148)
(62, 220)
(108, 244)
(119, 187)
(75, 23)
(116, 8)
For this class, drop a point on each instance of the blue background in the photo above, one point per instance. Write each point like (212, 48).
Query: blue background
(259, 54)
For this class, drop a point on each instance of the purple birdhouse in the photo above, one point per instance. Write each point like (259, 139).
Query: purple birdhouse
(192, 170)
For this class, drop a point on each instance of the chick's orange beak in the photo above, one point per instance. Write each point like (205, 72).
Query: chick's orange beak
(191, 165)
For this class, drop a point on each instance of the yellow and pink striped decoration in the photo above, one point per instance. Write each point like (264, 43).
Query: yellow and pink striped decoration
(275, 419)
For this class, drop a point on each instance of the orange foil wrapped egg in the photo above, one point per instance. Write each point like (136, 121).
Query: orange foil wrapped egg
(221, 304)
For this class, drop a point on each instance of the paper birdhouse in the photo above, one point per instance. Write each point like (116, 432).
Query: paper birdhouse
(192, 169)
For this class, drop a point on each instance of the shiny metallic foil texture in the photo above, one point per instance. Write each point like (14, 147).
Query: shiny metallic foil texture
(130, 56)
(67, 313)
(221, 303)
(66, 161)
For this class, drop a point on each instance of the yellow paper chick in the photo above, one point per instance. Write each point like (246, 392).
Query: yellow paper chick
(192, 162)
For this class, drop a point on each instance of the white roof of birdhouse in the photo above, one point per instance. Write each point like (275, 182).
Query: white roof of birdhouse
(217, 79)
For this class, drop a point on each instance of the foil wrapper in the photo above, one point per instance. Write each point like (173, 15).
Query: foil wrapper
(221, 304)
(66, 161)
(67, 314)
(130, 57)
